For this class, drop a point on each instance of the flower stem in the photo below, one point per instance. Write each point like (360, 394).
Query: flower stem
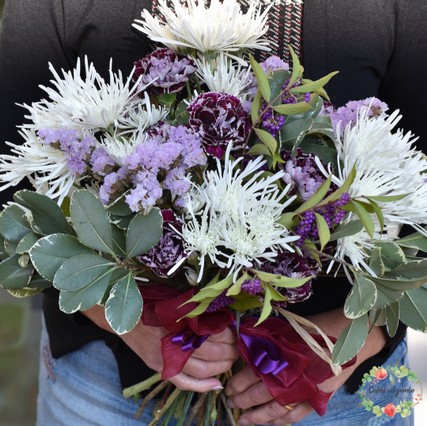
(142, 386)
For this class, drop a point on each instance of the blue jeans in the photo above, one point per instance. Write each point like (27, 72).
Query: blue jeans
(83, 388)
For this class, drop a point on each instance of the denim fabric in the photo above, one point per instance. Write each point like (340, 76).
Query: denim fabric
(83, 388)
(344, 409)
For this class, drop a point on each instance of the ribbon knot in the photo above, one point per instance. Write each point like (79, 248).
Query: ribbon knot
(188, 340)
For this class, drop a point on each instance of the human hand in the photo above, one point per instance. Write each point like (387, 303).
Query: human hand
(216, 355)
(246, 391)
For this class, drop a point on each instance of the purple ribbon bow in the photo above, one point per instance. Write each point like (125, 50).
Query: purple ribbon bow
(189, 340)
(264, 354)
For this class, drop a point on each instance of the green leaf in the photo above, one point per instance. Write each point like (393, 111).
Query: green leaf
(82, 271)
(213, 289)
(262, 79)
(323, 230)
(392, 255)
(385, 295)
(287, 220)
(280, 280)
(392, 318)
(119, 240)
(413, 309)
(290, 109)
(267, 139)
(315, 199)
(342, 189)
(376, 263)
(47, 216)
(123, 308)
(91, 221)
(246, 303)
(351, 340)
(297, 69)
(14, 224)
(386, 198)
(256, 106)
(144, 232)
(13, 275)
(361, 298)
(414, 241)
(266, 307)
(27, 242)
(260, 149)
(377, 210)
(346, 229)
(314, 85)
(120, 208)
(292, 133)
(412, 270)
(235, 289)
(50, 252)
(364, 216)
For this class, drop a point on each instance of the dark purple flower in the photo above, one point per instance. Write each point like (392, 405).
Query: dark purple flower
(294, 266)
(220, 302)
(219, 119)
(170, 249)
(165, 70)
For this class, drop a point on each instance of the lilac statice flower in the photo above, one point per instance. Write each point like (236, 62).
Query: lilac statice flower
(164, 71)
(302, 171)
(294, 266)
(76, 148)
(113, 185)
(274, 63)
(349, 112)
(170, 249)
(219, 119)
(101, 162)
(162, 163)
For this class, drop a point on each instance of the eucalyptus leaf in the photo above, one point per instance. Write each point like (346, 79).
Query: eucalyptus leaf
(14, 224)
(91, 221)
(361, 299)
(120, 208)
(123, 308)
(413, 309)
(82, 271)
(144, 233)
(47, 216)
(119, 241)
(351, 340)
(13, 275)
(50, 252)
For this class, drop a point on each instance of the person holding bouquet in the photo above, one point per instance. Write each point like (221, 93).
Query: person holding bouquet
(379, 49)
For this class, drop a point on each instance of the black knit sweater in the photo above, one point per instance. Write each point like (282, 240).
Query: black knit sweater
(379, 47)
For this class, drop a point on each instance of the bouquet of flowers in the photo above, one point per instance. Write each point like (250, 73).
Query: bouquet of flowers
(229, 183)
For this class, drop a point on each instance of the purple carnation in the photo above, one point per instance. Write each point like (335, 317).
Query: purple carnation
(303, 173)
(170, 249)
(219, 119)
(164, 71)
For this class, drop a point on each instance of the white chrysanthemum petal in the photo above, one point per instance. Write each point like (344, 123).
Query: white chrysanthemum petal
(139, 116)
(219, 27)
(233, 216)
(223, 77)
(119, 147)
(76, 103)
(45, 167)
(386, 164)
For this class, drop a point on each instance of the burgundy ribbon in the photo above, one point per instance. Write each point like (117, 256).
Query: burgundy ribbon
(264, 354)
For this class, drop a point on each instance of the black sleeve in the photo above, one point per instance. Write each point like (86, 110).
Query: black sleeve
(404, 86)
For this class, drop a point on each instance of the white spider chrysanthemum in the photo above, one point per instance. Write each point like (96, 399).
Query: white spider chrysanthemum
(120, 147)
(223, 77)
(386, 164)
(233, 216)
(46, 167)
(76, 103)
(219, 27)
(139, 116)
